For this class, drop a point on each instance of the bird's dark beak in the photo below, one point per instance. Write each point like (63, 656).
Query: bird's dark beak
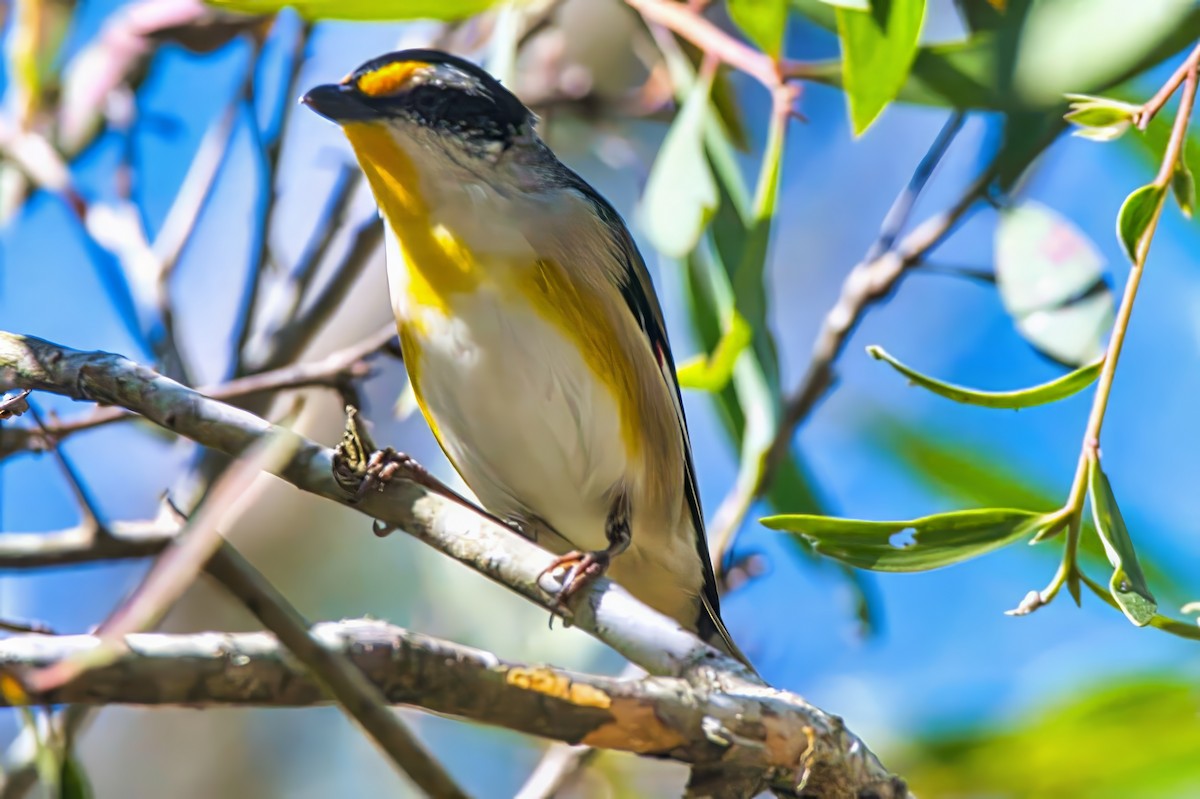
(339, 102)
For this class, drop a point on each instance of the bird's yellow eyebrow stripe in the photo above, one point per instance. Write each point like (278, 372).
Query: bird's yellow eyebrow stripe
(388, 79)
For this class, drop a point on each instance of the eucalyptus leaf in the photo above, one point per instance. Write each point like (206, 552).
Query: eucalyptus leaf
(75, 783)
(1135, 216)
(915, 545)
(1052, 283)
(1066, 46)
(878, 49)
(1100, 118)
(970, 74)
(681, 194)
(1183, 186)
(1060, 388)
(764, 21)
(713, 372)
(1128, 583)
(362, 10)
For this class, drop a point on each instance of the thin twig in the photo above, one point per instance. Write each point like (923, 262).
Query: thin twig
(269, 151)
(1155, 104)
(837, 763)
(337, 674)
(1068, 571)
(658, 716)
(686, 22)
(869, 280)
(332, 371)
(87, 505)
(174, 571)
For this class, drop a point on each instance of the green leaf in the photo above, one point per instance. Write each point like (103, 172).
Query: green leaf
(916, 545)
(75, 783)
(713, 373)
(1128, 583)
(1065, 742)
(1042, 394)
(1137, 212)
(972, 473)
(363, 10)
(1100, 118)
(1183, 186)
(1051, 58)
(764, 21)
(1051, 280)
(971, 74)
(878, 49)
(681, 194)
(855, 5)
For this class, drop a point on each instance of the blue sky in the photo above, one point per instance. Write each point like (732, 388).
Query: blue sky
(947, 654)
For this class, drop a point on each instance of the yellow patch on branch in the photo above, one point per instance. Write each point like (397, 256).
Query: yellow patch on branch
(635, 728)
(551, 683)
(388, 79)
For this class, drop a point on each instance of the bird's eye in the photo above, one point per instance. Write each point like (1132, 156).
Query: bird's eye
(426, 101)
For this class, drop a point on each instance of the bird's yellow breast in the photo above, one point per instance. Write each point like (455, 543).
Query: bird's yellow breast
(440, 266)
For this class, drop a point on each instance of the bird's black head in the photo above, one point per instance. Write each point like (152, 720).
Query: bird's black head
(431, 88)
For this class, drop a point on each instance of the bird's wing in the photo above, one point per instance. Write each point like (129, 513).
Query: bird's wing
(638, 292)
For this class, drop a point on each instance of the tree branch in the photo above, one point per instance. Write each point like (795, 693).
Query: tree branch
(662, 716)
(777, 729)
(332, 371)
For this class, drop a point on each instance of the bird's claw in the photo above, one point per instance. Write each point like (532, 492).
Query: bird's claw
(582, 569)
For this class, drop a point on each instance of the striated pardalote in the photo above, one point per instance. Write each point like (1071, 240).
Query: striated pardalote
(531, 332)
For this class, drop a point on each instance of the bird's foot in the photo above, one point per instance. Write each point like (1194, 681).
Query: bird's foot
(360, 468)
(582, 569)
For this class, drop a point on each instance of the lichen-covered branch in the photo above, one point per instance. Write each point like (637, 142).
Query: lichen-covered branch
(663, 716)
(776, 729)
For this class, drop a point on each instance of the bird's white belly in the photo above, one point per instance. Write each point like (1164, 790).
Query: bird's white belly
(520, 413)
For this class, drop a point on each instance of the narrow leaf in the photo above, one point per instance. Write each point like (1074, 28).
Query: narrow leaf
(1183, 186)
(363, 10)
(1128, 583)
(915, 545)
(1133, 220)
(878, 49)
(763, 21)
(1042, 394)
(681, 194)
(713, 372)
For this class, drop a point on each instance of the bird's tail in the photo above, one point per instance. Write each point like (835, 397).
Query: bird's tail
(713, 632)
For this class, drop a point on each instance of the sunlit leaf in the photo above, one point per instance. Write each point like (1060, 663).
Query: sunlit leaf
(1183, 186)
(1135, 216)
(681, 193)
(1052, 391)
(969, 472)
(1128, 583)
(1051, 280)
(1064, 744)
(967, 74)
(75, 783)
(878, 48)
(856, 5)
(1051, 57)
(764, 21)
(713, 372)
(1100, 118)
(915, 545)
(377, 10)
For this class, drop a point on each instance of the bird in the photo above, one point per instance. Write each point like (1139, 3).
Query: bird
(533, 338)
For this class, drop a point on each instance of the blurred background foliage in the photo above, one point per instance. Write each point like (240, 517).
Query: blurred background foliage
(162, 197)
